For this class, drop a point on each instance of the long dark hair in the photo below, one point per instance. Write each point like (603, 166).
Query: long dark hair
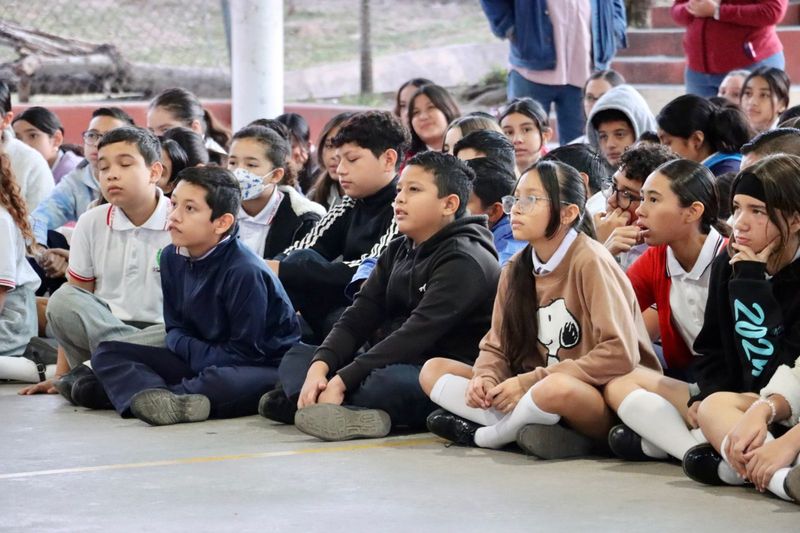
(530, 108)
(442, 101)
(414, 82)
(519, 331)
(187, 108)
(301, 135)
(693, 182)
(725, 128)
(321, 189)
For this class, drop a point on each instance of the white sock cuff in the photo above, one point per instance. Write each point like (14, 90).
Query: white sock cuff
(530, 405)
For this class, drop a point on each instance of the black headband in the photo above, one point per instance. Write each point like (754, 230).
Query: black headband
(750, 185)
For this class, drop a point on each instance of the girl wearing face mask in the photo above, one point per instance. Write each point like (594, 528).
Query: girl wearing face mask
(273, 214)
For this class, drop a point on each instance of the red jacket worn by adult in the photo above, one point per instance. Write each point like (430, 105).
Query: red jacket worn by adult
(743, 35)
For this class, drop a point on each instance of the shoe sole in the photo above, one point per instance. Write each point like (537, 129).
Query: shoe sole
(334, 423)
(159, 407)
(792, 484)
(553, 442)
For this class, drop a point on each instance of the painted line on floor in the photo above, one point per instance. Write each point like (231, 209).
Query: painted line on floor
(405, 443)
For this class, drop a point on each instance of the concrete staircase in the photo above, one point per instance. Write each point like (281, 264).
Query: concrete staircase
(654, 60)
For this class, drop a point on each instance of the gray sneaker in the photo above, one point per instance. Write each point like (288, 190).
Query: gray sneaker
(553, 442)
(792, 484)
(335, 422)
(160, 407)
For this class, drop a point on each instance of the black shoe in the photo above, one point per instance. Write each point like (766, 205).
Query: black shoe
(88, 392)
(42, 352)
(553, 441)
(792, 484)
(451, 427)
(274, 405)
(160, 407)
(701, 463)
(626, 444)
(64, 384)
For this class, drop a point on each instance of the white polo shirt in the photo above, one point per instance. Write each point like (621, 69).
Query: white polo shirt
(122, 259)
(253, 231)
(542, 269)
(688, 292)
(15, 271)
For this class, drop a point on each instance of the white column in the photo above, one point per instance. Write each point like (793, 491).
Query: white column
(256, 60)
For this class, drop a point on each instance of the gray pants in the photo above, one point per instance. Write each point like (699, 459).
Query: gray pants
(80, 321)
(18, 321)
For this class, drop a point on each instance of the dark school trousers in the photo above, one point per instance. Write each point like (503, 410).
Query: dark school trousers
(394, 389)
(125, 369)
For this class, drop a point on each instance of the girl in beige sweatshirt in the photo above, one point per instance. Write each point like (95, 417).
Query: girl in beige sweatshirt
(565, 322)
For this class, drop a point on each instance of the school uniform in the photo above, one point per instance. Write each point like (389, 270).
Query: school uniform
(433, 300)
(18, 320)
(65, 163)
(31, 171)
(122, 260)
(680, 296)
(228, 323)
(287, 217)
(316, 269)
(67, 202)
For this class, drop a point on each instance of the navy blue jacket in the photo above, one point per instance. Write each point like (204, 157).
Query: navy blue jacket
(532, 46)
(226, 309)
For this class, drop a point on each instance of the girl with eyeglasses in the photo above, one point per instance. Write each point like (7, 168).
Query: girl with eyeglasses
(538, 381)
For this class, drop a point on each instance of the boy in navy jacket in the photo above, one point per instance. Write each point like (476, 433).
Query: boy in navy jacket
(227, 317)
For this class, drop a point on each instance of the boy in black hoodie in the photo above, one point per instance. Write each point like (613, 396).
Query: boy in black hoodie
(316, 269)
(430, 294)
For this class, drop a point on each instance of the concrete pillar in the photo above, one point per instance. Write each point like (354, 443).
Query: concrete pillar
(256, 60)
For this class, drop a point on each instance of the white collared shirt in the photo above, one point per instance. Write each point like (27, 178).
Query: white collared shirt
(540, 269)
(253, 231)
(122, 259)
(688, 291)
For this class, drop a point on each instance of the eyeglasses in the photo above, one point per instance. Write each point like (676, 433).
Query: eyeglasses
(90, 138)
(524, 204)
(624, 198)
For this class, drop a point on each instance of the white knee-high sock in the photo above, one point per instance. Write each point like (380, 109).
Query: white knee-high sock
(504, 432)
(21, 369)
(656, 420)
(449, 392)
(775, 485)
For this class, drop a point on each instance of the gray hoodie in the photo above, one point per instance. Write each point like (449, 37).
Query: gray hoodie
(628, 100)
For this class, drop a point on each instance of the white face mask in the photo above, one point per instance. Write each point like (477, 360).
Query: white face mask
(251, 184)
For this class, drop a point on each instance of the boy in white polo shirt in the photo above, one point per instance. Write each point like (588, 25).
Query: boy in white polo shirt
(114, 287)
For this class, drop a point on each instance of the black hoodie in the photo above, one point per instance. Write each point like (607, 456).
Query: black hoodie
(430, 301)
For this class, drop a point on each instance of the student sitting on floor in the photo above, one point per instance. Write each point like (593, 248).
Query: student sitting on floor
(616, 227)
(316, 269)
(430, 294)
(228, 319)
(492, 182)
(18, 282)
(274, 214)
(114, 286)
(565, 322)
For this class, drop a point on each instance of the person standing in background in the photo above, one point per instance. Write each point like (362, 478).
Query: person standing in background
(554, 46)
(727, 35)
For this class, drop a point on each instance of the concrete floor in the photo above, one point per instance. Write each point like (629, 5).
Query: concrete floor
(68, 469)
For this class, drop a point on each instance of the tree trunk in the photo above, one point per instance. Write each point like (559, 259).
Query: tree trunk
(366, 48)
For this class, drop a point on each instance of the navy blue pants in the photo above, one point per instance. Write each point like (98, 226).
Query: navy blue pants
(394, 389)
(125, 369)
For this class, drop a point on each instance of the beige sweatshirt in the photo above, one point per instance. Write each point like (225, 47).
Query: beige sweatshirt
(590, 325)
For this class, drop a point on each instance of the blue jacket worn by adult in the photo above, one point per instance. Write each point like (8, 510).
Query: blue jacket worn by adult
(528, 21)
(226, 308)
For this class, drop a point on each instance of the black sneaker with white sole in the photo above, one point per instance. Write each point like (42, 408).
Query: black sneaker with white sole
(160, 407)
(332, 422)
